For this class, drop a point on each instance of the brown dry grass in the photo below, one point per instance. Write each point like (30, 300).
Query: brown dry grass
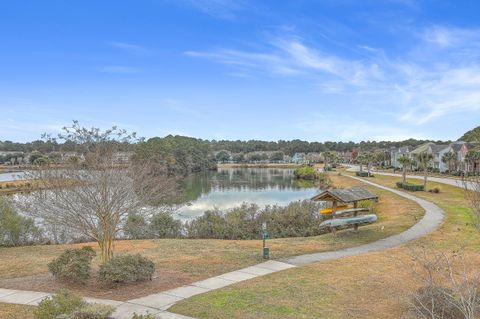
(182, 261)
(17, 186)
(375, 285)
(11, 311)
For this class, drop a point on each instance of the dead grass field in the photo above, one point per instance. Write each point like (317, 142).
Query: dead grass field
(11, 311)
(182, 261)
(375, 285)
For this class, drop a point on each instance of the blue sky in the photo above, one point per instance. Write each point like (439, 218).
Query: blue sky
(244, 69)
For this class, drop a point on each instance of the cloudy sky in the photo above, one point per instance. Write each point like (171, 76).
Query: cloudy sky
(243, 69)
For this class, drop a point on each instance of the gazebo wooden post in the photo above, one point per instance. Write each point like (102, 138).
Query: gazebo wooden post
(334, 210)
(355, 227)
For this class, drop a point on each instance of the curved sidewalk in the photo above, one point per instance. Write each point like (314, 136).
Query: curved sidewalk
(430, 221)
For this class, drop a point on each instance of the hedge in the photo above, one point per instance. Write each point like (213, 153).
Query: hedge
(410, 187)
(363, 174)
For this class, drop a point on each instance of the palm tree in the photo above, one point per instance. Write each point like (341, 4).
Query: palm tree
(423, 159)
(360, 160)
(472, 157)
(405, 161)
(369, 158)
(449, 158)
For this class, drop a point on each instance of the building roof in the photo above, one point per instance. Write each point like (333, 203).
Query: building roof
(457, 146)
(345, 195)
(422, 148)
(438, 148)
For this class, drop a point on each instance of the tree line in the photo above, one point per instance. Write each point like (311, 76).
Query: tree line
(287, 147)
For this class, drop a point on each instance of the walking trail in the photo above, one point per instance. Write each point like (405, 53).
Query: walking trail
(159, 303)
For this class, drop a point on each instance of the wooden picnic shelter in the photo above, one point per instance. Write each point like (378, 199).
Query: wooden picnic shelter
(350, 195)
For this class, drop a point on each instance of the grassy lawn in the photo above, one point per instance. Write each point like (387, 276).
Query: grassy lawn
(11, 311)
(182, 261)
(375, 285)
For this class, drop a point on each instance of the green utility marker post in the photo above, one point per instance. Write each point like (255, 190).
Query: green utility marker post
(266, 250)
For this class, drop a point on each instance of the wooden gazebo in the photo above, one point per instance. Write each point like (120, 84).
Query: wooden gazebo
(345, 196)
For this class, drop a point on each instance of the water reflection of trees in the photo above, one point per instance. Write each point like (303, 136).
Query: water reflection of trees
(238, 179)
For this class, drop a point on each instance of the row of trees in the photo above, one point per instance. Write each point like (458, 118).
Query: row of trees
(299, 146)
(251, 146)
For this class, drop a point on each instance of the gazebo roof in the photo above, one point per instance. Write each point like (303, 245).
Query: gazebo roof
(345, 195)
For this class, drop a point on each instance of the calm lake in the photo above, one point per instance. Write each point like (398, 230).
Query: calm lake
(6, 177)
(229, 188)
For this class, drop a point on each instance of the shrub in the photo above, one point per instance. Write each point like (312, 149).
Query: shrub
(436, 302)
(363, 174)
(16, 230)
(244, 222)
(92, 311)
(73, 264)
(410, 186)
(125, 269)
(62, 303)
(305, 172)
(136, 227)
(163, 225)
(147, 316)
(435, 189)
(370, 204)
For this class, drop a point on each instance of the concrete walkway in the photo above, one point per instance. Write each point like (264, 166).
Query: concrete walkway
(430, 221)
(158, 303)
(443, 180)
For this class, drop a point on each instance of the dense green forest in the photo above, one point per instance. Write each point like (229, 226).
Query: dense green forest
(182, 155)
(472, 136)
(287, 147)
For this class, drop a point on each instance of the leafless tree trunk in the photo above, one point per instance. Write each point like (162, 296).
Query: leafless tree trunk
(93, 196)
(450, 285)
(472, 193)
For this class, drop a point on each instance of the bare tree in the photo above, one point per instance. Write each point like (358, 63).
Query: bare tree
(450, 285)
(472, 193)
(94, 194)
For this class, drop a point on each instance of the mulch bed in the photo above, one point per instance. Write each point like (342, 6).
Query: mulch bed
(163, 280)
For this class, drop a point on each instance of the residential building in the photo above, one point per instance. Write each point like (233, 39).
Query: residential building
(396, 153)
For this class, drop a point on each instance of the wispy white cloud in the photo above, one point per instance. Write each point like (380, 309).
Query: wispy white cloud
(438, 76)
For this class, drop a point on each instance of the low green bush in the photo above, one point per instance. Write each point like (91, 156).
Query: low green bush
(163, 225)
(370, 204)
(15, 229)
(92, 311)
(305, 172)
(298, 219)
(62, 303)
(363, 174)
(410, 187)
(73, 265)
(125, 269)
(147, 316)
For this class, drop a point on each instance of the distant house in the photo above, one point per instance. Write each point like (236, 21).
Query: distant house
(298, 158)
(460, 148)
(313, 157)
(437, 152)
(396, 153)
